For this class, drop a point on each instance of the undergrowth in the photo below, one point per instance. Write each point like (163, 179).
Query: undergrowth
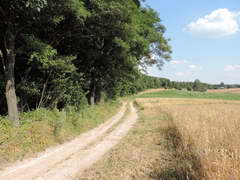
(43, 128)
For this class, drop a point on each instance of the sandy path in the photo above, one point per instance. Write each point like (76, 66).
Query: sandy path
(64, 161)
(83, 159)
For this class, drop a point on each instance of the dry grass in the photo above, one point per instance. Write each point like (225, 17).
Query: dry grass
(177, 139)
(208, 130)
(152, 90)
(152, 150)
(156, 102)
(136, 157)
(231, 90)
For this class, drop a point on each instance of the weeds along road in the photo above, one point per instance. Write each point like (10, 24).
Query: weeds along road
(67, 160)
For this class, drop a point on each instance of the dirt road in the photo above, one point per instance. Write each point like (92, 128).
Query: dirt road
(65, 161)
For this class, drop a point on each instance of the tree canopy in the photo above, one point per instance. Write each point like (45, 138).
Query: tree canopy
(56, 53)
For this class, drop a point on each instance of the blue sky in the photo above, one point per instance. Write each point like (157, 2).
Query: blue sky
(205, 38)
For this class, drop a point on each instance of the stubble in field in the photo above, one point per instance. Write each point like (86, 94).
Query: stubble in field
(176, 139)
(208, 129)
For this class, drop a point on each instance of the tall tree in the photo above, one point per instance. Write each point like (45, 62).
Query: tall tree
(117, 35)
(15, 17)
(18, 17)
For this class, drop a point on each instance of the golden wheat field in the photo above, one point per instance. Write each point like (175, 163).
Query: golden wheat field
(210, 129)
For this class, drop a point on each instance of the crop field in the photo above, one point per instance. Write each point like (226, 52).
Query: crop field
(152, 90)
(231, 90)
(204, 136)
(190, 94)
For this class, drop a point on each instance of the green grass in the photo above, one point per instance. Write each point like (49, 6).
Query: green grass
(190, 94)
(43, 128)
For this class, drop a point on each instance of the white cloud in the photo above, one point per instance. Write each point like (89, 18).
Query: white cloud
(185, 74)
(192, 66)
(231, 67)
(178, 62)
(180, 74)
(219, 23)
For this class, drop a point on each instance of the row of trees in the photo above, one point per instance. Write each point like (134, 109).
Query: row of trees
(197, 85)
(140, 83)
(222, 85)
(56, 53)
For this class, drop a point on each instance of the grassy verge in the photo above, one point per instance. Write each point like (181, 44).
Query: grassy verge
(151, 150)
(190, 94)
(43, 128)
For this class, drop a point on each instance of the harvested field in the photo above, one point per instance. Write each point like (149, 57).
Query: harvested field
(153, 102)
(232, 90)
(176, 139)
(207, 129)
(152, 90)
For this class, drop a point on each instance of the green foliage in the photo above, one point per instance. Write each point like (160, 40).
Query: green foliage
(78, 7)
(190, 86)
(58, 119)
(71, 50)
(198, 86)
(135, 83)
(50, 80)
(117, 36)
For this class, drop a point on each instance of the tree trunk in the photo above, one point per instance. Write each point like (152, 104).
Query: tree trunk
(10, 78)
(98, 95)
(92, 93)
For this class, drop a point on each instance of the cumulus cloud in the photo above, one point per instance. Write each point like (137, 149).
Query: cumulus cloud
(231, 67)
(194, 67)
(179, 62)
(219, 23)
(180, 74)
(185, 74)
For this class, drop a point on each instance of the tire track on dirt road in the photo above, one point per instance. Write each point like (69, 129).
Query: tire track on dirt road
(83, 159)
(57, 159)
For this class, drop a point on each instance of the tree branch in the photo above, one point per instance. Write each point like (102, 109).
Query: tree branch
(2, 54)
(44, 89)
(3, 63)
(3, 13)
